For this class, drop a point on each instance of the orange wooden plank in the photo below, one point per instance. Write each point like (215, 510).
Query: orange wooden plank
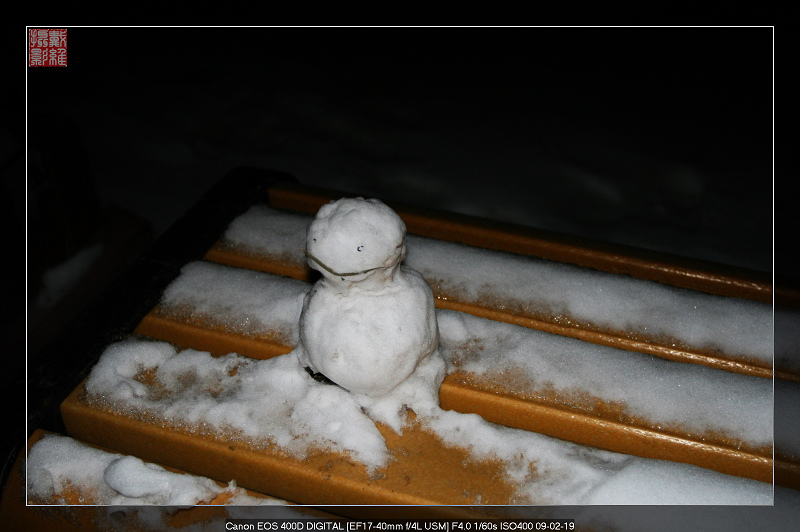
(424, 472)
(684, 272)
(658, 347)
(550, 417)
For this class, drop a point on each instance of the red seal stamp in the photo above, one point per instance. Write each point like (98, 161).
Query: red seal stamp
(47, 47)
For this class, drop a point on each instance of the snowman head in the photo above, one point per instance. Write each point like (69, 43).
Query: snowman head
(353, 239)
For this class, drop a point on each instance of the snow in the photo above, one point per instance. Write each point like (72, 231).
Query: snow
(58, 464)
(368, 324)
(738, 327)
(57, 461)
(692, 399)
(225, 396)
(229, 394)
(644, 482)
(695, 398)
(252, 300)
(355, 236)
(619, 303)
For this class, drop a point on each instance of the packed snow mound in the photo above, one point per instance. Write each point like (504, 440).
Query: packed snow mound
(59, 464)
(369, 324)
(355, 235)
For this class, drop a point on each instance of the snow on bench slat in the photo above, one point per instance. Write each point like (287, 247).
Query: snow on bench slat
(737, 327)
(240, 300)
(57, 464)
(226, 397)
(693, 398)
(684, 397)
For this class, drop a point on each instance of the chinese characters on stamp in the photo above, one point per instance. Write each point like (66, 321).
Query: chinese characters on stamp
(47, 47)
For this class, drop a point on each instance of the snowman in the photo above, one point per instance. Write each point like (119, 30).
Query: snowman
(369, 323)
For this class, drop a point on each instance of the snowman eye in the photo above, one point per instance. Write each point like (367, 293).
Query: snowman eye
(359, 248)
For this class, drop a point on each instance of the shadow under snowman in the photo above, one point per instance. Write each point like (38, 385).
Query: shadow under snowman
(369, 323)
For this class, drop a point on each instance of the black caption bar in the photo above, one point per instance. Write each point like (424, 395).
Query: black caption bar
(400, 525)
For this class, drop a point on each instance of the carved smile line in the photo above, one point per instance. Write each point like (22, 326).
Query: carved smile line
(327, 268)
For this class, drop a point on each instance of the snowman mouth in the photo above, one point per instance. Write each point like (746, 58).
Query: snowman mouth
(329, 269)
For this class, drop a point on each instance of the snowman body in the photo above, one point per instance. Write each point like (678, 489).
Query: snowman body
(369, 323)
